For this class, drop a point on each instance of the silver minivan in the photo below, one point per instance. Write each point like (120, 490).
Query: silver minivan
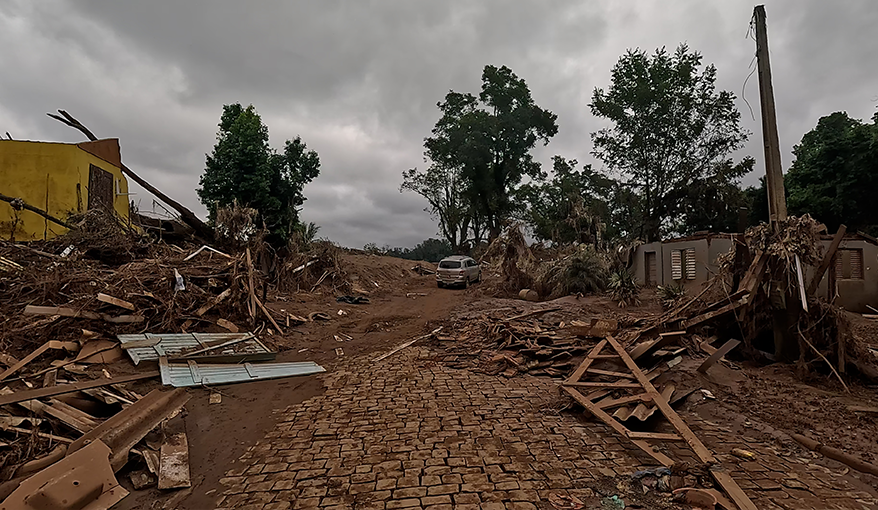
(458, 270)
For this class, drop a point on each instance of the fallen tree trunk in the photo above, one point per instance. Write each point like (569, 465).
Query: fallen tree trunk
(188, 217)
(17, 202)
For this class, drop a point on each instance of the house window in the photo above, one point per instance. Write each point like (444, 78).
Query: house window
(677, 264)
(690, 263)
(849, 264)
(683, 264)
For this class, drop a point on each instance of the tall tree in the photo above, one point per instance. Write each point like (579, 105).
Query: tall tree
(442, 186)
(671, 129)
(244, 168)
(488, 139)
(835, 173)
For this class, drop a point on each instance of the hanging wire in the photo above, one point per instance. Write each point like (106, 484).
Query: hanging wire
(751, 29)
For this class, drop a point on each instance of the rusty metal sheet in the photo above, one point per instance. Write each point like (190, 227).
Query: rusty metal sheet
(121, 432)
(81, 481)
(150, 346)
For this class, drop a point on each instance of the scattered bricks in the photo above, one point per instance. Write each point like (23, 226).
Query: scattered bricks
(310, 473)
(274, 468)
(443, 489)
(475, 478)
(411, 492)
(282, 485)
(258, 487)
(437, 470)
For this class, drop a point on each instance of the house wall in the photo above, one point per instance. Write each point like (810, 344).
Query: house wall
(46, 175)
(854, 295)
(706, 252)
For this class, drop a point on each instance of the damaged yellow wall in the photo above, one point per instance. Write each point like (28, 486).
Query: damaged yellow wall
(53, 177)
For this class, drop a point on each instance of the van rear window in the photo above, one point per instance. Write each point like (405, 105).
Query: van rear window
(449, 264)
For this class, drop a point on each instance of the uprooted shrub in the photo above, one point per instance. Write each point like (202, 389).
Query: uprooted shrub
(623, 288)
(582, 272)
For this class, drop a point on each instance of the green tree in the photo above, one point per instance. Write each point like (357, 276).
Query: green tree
(571, 207)
(486, 140)
(835, 173)
(443, 188)
(245, 168)
(671, 130)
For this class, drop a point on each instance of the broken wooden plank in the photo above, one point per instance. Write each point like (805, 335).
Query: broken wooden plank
(827, 261)
(50, 378)
(718, 354)
(121, 303)
(250, 287)
(51, 344)
(267, 313)
(695, 321)
(534, 313)
(801, 279)
(70, 416)
(21, 396)
(81, 314)
(731, 488)
(215, 301)
(656, 436)
(229, 325)
(403, 346)
(651, 346)
(206, 247)
(174, 462)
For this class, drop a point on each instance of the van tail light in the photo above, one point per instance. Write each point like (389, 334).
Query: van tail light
(462, 272)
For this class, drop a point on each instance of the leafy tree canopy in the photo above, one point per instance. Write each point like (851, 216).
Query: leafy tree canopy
(671, 130)
(835, 174)
(571, 207)
(485, 141)
(244, 168)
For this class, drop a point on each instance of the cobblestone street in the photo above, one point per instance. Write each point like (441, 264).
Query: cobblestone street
(410, 433)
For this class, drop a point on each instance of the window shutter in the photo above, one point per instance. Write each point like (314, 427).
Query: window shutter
(690, 263)
(677, 264)
(857, 265)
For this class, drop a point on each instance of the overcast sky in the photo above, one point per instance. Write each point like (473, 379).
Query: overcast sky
(359, 80)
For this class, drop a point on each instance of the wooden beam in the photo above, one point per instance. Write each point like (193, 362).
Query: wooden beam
(656, 436)
(718, 354)
(21, 396)
(610, 373)
(251, 306)
(580, 371)
(121, 303)
(51, 344)
(691, 439)
(618, 427)
(592, 384)
(827, 260)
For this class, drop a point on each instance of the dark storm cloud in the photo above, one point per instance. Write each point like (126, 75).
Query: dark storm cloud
(359, 80)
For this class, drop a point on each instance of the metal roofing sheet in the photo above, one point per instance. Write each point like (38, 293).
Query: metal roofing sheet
(151, 346)
(198, 374)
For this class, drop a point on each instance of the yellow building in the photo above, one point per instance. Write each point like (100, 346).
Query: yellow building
(61, 179)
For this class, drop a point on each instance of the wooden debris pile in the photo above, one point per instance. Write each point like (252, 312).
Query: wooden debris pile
(773, 307)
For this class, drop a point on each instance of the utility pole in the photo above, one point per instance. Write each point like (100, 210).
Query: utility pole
(784, 300)
(777, 203)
